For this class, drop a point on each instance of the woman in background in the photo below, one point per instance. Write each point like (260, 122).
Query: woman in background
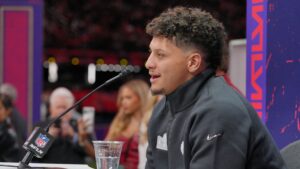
(9, 149)
(131, 101)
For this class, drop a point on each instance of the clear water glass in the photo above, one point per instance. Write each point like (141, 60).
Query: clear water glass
(107, 154)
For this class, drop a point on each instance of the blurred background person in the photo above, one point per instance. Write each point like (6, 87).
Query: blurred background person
(9, 148)
(131, 101)
(72, 143)
(16, 119)
(143, 138)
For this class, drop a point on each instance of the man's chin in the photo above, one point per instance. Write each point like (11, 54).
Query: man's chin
(157, 91)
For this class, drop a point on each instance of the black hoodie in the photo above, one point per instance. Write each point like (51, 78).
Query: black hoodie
(205, 124)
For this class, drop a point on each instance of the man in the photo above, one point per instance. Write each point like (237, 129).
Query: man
(72, 143)
(202, 123)
(9, 148)
(16, 119)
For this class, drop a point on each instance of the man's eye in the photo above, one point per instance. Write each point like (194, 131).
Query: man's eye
(160, 55)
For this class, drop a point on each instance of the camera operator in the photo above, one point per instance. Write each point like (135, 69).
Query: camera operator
(72, 143)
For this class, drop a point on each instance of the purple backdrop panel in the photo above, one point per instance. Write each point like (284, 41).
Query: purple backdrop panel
(256, 55)
(21, 52)
(16, 53)
(283, 69)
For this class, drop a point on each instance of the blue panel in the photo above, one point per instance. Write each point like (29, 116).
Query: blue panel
(256, 55)
(283, 70)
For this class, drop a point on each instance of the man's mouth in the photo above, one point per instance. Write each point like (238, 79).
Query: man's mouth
(154, 78)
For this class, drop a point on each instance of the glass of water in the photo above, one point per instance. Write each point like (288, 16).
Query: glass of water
(107, 154)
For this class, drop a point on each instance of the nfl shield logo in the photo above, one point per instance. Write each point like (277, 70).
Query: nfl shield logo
(41, 140)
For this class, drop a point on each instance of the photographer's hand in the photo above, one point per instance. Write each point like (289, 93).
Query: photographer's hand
(54, 131)
(82, 132)
(66, 129)
(83, 138)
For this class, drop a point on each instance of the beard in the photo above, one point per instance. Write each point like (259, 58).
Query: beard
(157, 91)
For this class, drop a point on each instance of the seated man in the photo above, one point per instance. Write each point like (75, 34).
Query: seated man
(201, 123)
(72, 143)
(9, 149)
(16, 119)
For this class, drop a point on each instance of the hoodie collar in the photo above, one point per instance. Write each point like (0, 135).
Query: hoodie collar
(185, 94)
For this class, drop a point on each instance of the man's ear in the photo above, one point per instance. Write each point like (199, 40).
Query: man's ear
(194, 62)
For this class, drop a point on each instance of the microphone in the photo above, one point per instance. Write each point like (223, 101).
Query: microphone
(39, 141)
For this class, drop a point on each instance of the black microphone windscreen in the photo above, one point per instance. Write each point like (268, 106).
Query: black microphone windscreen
(38, 142)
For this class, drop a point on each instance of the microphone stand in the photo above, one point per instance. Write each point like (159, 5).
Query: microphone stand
(24, 164)
(26, 160)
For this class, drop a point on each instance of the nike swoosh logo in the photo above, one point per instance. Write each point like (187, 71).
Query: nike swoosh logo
(210, 137)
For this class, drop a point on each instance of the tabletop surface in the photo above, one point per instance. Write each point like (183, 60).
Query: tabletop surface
(6, 165)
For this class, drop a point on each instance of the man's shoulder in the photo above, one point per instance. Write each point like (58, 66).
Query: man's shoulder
(219, 101)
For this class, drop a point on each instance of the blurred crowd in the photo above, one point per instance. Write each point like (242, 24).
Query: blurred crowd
(72, 138)
(119, 25)
(108, 25)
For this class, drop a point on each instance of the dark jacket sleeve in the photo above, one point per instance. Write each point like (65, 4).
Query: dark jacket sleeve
(218, 138)
(9, 151)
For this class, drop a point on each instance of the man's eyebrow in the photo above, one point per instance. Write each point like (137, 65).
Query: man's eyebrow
(156, 50)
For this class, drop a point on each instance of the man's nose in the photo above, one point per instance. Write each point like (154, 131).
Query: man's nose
(149, 63)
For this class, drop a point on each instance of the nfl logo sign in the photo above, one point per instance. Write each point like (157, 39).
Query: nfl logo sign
(41, 140)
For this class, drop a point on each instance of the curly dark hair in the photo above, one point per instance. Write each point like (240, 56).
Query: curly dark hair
(192, 27)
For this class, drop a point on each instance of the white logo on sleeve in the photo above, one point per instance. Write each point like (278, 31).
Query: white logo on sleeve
(210, 137)
(182, 148)
(162, 142)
